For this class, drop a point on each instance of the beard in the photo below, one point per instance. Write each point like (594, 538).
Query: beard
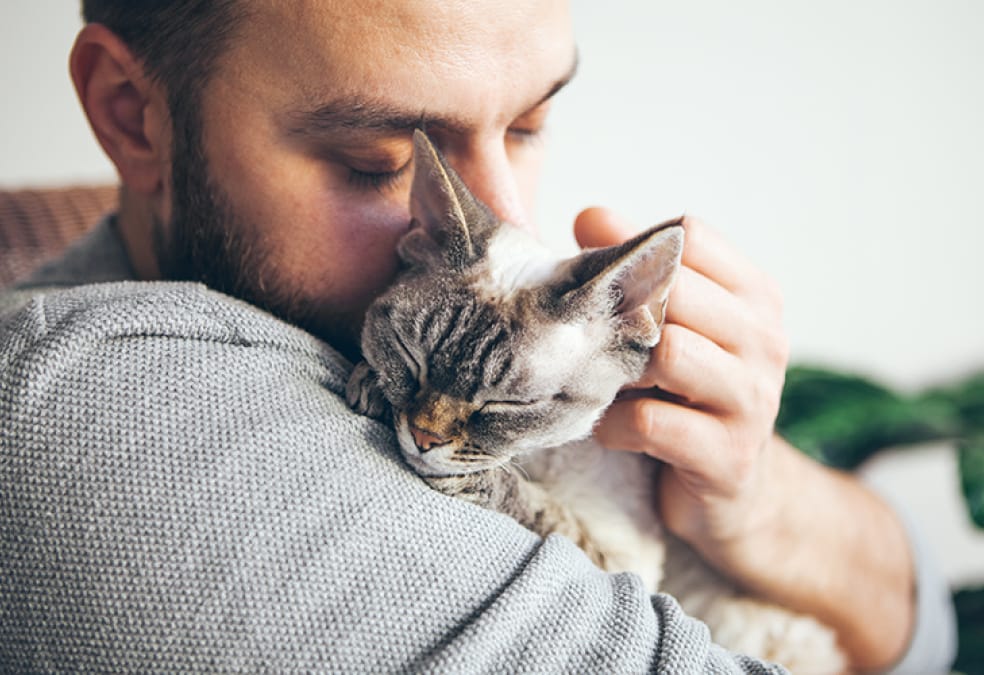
(207, 241)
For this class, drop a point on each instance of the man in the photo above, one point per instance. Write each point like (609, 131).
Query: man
(183, 485)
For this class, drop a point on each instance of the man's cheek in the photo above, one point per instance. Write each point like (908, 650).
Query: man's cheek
(350, 255)
(373, 225)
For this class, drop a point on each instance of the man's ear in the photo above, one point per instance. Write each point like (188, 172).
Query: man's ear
(127, 109)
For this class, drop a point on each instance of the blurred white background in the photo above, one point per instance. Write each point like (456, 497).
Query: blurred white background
(840, 145)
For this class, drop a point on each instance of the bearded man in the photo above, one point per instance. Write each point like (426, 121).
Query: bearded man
(183, 485)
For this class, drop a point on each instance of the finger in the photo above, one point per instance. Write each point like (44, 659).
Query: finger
(707, 308)
(692, 367)
(707, 252)
(683, 437)
(596, 227)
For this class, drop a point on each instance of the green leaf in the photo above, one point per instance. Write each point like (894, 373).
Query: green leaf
(967, 398)
(969, 604)
(841, 419)
(971, 462)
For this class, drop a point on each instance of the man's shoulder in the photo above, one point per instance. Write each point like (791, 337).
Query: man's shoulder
(181, 311)
(150, 348)
(88, 297)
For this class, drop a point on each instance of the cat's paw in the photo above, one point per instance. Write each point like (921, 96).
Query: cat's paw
(800, 643)
(364, 395)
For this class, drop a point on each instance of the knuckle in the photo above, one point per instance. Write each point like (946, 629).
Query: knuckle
(765, 295)
(749, 404)
(773, 291)
(690, 221)
(694, 228)
(752, 406)
(773, 343)
(782, 349)
(642, 422)
(778, 349)
(756, 410)
(650, 376)
(669, 353)
(771, 391)
(769, 396)
(747, 332)
(681, 286)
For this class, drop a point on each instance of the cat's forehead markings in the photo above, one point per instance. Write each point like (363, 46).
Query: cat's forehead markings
(516, 260)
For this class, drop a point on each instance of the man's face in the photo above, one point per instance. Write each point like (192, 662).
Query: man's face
(301, 171)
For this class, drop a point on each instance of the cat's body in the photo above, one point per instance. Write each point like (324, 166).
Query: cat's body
(493, 361)
(610, 494)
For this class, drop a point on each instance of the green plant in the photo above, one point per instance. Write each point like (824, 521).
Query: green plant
(841, 419)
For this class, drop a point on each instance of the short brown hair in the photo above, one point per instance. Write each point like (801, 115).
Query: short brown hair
(178, 41)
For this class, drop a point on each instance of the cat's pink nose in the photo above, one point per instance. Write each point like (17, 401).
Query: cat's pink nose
(424, 439)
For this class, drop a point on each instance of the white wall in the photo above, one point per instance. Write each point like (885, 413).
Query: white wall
(44, 138)
(839, 144)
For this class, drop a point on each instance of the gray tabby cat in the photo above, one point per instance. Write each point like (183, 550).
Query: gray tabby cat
(493, 361)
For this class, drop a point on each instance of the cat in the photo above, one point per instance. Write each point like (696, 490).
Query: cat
(493, 360)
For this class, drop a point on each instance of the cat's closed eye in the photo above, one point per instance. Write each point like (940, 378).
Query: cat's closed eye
(506, 406)
(407, 354)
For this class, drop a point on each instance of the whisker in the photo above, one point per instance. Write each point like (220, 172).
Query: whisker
(514, 461)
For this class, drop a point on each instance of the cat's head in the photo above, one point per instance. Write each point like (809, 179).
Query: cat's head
(486, 347)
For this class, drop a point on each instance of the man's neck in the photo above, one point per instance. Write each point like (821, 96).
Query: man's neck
(135, 224)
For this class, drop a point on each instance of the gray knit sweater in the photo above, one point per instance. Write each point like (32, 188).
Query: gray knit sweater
(182, 488)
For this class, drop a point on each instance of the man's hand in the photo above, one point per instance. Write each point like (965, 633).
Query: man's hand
(785, 528)
(722, 357)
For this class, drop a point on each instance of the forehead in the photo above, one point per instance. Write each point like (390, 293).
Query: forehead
(484, 56)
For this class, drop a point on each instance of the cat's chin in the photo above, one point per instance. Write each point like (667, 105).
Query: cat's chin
(422, 466)
(436, 468)
(428, 470)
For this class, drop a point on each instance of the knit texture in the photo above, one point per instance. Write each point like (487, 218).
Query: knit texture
(182, 488)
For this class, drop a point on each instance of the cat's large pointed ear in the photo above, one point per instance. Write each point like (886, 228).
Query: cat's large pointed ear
(447, 217)
(630, 281)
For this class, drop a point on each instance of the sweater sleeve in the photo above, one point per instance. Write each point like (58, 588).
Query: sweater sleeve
(933, 642)
(182, 488)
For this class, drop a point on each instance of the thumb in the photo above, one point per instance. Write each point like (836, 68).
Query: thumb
(596, 226)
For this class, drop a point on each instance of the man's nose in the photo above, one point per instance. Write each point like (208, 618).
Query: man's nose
(489, 174)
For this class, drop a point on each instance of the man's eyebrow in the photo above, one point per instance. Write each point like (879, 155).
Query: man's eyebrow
(562, 82)
(375, 116)
(355, 115)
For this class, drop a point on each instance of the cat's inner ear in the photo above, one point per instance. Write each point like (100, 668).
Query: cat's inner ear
(445, 214)
(631, 281)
